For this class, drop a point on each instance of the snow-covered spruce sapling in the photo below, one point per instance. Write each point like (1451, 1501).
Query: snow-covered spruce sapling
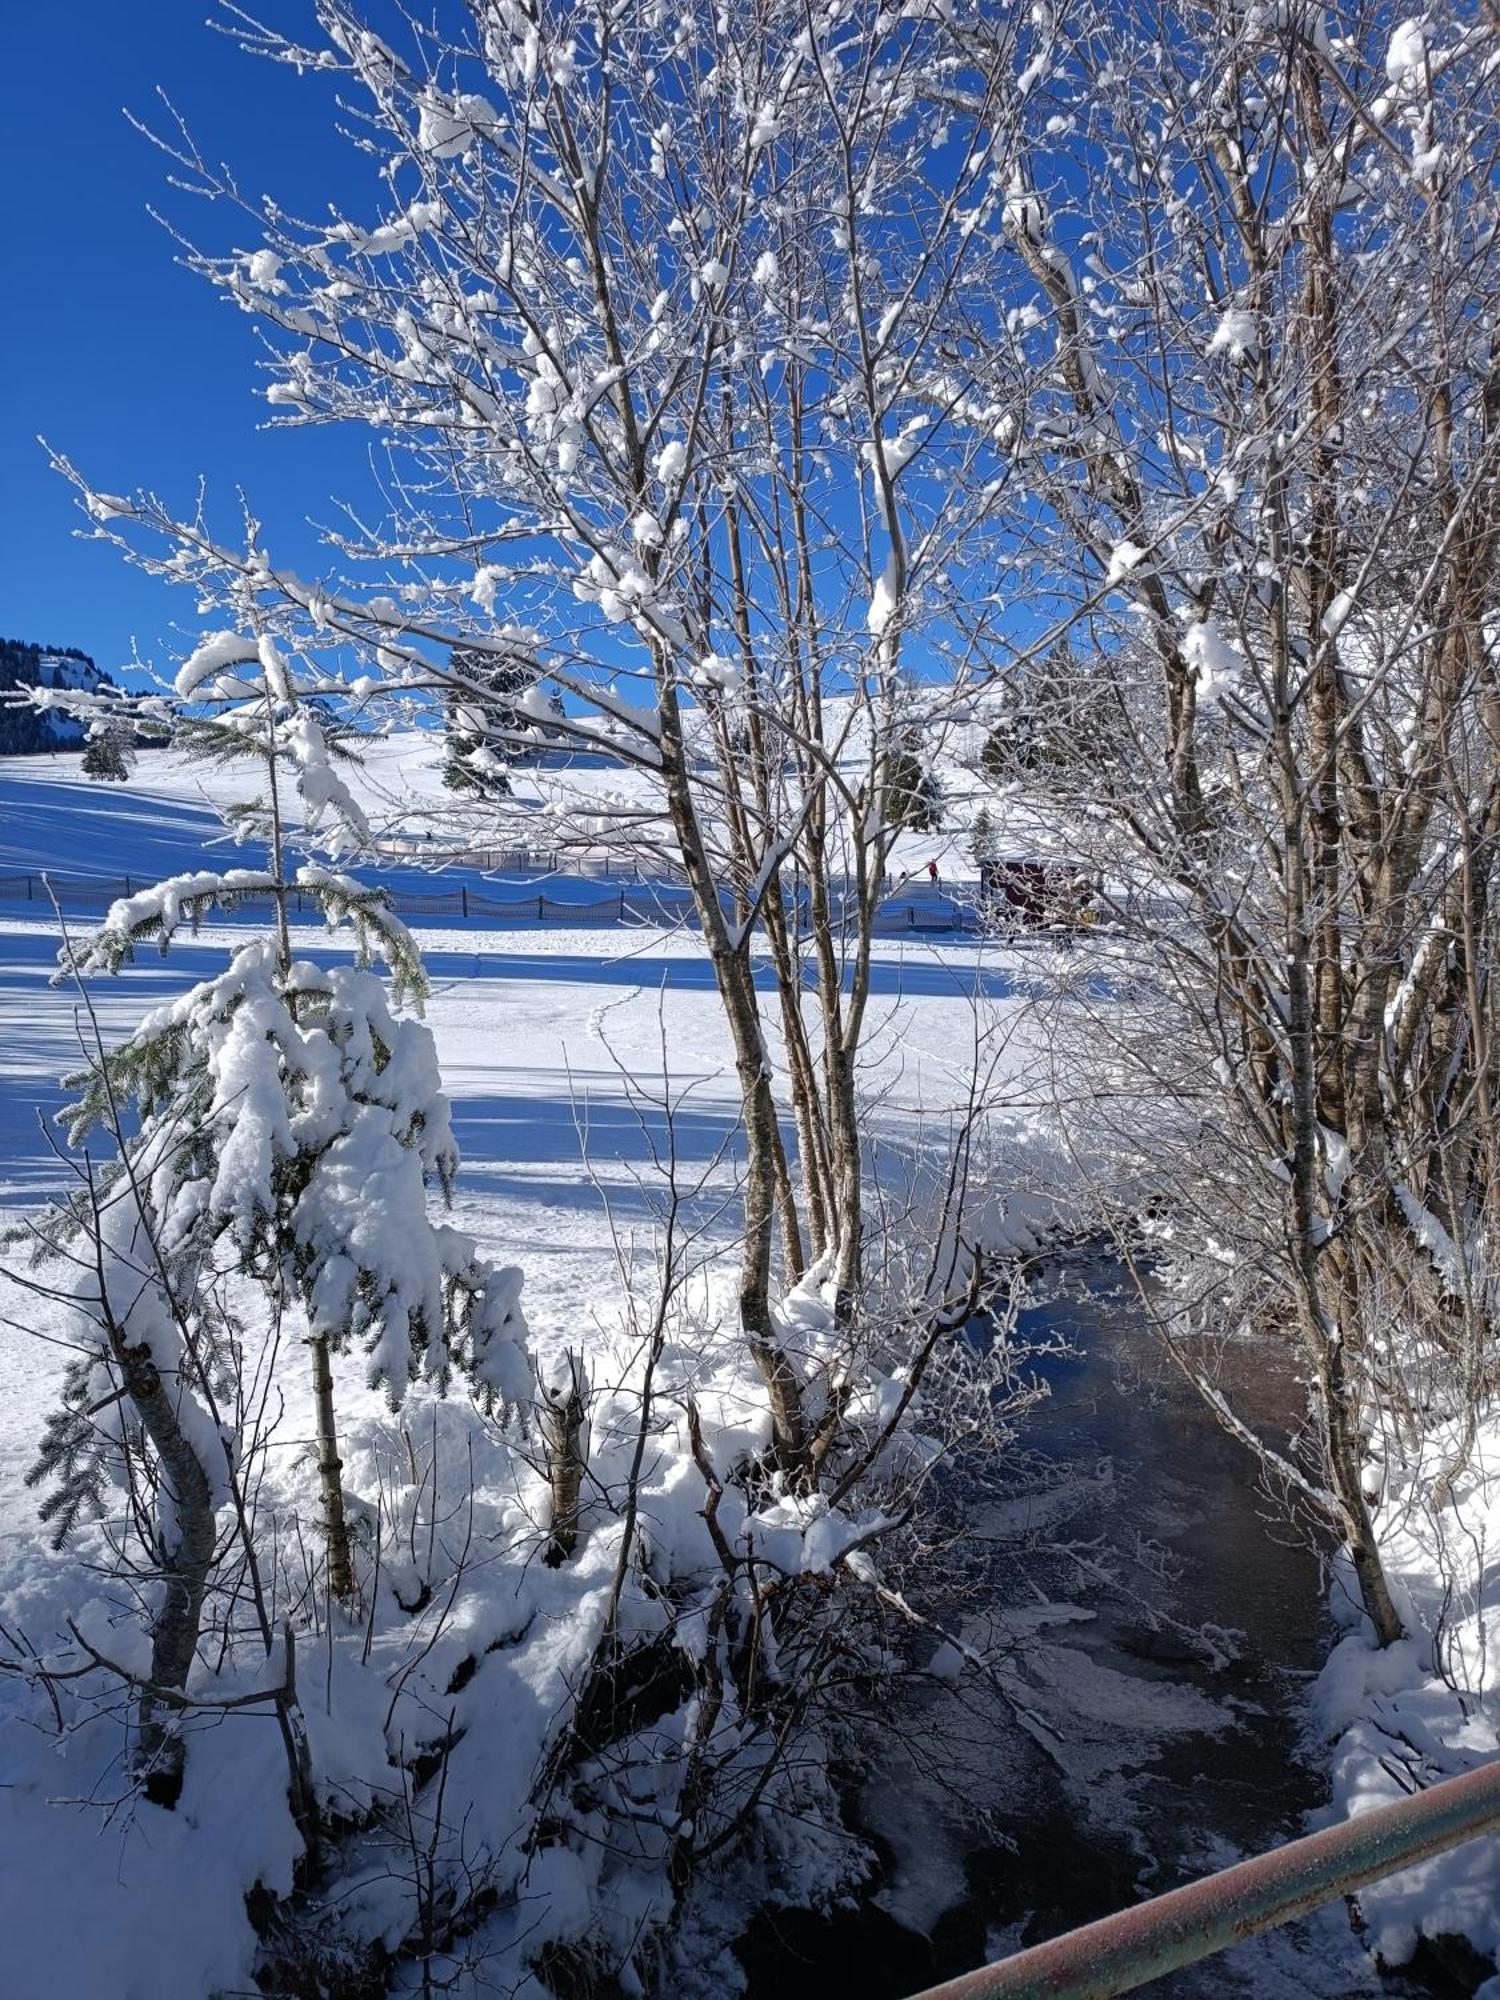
(308, 1118)
(982, 839)
(149, 1405)
(136, 1411)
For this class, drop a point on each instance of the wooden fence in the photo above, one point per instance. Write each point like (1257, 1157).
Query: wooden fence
(92, 894)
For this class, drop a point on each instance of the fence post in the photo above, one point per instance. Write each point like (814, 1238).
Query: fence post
(29, 896)
(911, 916)
(540, 912)
(464, 894)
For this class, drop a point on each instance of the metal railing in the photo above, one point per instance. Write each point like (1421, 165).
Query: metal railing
(1118, 1954)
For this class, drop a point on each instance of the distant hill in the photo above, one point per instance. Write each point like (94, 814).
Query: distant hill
(25, 731)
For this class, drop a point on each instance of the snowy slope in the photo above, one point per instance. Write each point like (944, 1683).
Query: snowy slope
(557, 1048)
(56, 818)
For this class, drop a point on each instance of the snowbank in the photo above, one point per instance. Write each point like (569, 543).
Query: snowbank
(1429, 1707)
(468, 1653)
(555, 1056)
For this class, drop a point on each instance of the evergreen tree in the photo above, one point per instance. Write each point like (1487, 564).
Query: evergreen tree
(998, 758)
(914, 796)
(106, 754)
(285, 1115)
(982, 839)
(482, 715)
(1060, 723)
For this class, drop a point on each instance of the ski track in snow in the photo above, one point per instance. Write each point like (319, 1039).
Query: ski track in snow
(597, 1019)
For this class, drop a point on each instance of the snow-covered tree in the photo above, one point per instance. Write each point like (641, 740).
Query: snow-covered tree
(1271, 420)
(138, 1412)
(506, 723)
(477, 728)
(915, 797)
(982, 838)
(106, 752)
(285, 1111)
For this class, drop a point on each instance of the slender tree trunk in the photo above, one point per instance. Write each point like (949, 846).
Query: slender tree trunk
(734, 977)
(186, 1564)
(341, 1578)
(561, 1409)
(1345, 1435)
(793, 1259)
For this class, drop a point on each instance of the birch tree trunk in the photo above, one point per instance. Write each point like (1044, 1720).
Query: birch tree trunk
(186, 1558)
(342, 1583)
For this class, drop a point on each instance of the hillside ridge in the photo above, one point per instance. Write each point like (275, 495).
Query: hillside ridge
(26, 731)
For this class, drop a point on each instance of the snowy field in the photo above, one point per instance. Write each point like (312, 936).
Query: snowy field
(171, 808)
(559, 1049)
(556, 1050)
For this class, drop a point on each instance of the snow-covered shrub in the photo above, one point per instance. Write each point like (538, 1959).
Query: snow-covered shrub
(138, 1418)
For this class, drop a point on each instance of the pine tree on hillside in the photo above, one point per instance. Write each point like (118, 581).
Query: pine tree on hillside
(998, 759)
(106, 754)
(913, 793)
(982, 839)
(1062, 720)
(478, 723)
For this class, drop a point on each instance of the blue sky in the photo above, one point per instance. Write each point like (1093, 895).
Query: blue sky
(130, 365)
(139, 372)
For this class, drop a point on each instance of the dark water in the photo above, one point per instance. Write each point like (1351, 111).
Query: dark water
(1162, 1625)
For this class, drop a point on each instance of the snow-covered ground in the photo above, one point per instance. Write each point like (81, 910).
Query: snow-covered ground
(171, 808)
(1429, 1707)
(558, 1049)
(550, 1040)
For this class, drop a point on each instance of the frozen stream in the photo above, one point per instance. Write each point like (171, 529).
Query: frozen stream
(1125, 1757)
